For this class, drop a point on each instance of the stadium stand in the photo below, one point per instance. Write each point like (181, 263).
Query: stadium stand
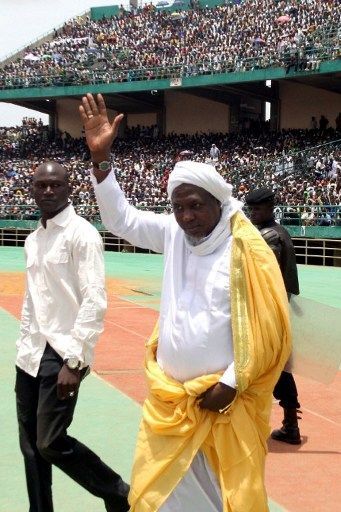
(303, 166)
(186, 80)
(149, 43)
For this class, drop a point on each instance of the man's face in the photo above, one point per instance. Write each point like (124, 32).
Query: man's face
(50, 189)
(260, 213)
(196, 211)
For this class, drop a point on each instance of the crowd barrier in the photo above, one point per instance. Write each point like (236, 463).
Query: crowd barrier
(301, 216)
(314, 245)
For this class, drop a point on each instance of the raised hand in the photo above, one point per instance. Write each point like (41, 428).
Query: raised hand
(99, 133)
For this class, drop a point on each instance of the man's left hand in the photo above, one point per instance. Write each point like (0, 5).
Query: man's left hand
(99, 131)
(217, 397)
(68, 383)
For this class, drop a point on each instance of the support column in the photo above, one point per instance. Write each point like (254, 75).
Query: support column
(161, 120)
(234, 118)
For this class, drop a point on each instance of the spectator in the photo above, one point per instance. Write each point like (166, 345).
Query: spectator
(323, 123)
(338, 122)
(313, 123)
(214, 153)
(324, 218)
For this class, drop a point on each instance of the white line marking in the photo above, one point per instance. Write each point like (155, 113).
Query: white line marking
(320, 416)
(126, 329)
(132, 302)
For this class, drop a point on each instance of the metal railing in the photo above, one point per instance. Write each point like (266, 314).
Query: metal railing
(76, 76)
(318, 251)
(287, 215)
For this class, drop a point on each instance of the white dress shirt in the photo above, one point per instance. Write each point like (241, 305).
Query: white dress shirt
(195, 319)
(65, 297)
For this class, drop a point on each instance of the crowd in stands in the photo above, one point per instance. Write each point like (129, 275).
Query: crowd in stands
(237, 36)
(303, 166)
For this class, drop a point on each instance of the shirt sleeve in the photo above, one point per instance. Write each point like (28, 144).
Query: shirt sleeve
(88, 261)
(139, 228)
(26, 313)
(26, 317)
(229, 377)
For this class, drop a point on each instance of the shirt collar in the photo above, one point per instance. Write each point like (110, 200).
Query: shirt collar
(62, 219)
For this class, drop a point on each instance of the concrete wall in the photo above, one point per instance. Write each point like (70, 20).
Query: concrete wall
(190, 114)
(69, 118)
(185, 113)
(300, 102)
(141, 119)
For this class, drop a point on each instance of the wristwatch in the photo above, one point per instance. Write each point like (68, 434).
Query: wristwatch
(104, 166)
(72, 363)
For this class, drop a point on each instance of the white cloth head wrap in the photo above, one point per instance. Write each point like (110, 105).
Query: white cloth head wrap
(206, 177)
(201, 175)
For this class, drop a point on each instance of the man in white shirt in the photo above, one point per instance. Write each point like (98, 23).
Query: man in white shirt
(197, 344)
(62, 318)
(214, 153)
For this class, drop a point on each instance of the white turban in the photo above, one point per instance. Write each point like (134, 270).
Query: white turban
(201, 175)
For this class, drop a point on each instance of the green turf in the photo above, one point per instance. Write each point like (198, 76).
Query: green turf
(124, 265)
(137, 266)
(11, 259)
(322, 284)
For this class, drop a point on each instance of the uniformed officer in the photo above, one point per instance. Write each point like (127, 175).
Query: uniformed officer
(261, 203)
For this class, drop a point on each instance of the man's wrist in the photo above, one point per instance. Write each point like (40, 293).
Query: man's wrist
(104, 166)
(230, 396)
(72, 363)
(97, 158)
(71, 370)
(101, 165)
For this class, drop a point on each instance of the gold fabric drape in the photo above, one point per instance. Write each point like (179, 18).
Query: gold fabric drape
(174, 428)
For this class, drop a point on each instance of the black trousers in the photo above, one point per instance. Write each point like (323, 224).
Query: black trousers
(286, 392)
(43, 422)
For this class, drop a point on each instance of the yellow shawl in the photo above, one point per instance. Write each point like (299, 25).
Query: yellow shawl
(174, 428)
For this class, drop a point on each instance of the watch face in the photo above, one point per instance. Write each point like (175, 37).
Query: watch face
(72, 363)
(104, 166)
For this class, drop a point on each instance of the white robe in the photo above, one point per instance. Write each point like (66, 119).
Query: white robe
(195, 319)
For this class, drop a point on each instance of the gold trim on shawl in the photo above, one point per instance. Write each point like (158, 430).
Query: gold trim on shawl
(239, 309)
(239, 316)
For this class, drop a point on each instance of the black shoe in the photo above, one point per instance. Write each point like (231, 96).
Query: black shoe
(285, 434)
(289, 433)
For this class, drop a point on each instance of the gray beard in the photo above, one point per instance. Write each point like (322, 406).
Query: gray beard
(196, 241)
